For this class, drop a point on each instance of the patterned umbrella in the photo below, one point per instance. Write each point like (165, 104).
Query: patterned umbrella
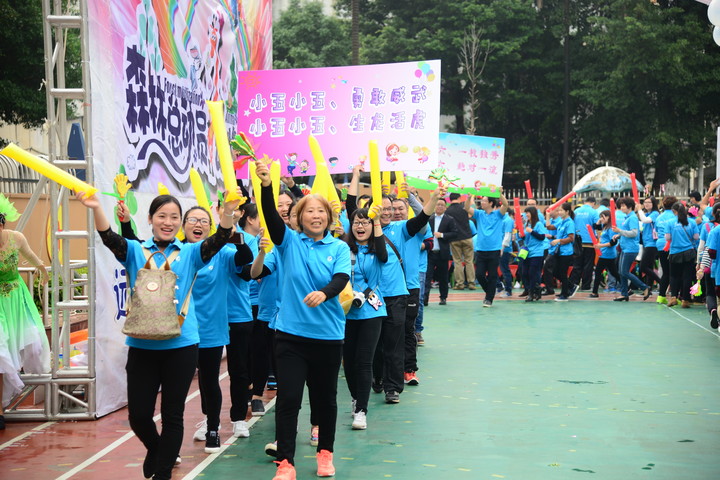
(606, 179)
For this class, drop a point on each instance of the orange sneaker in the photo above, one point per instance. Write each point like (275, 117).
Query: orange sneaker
(325, 465)
(285, 471)
(411, 378)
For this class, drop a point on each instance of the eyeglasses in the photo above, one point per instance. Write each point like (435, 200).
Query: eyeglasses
(361, 224)
(202, 221)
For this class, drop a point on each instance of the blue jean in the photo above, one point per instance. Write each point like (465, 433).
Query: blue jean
(506, 280)
(626, 260)
(419, 320)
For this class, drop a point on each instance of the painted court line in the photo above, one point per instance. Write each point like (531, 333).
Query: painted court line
(210, 458)
(694, 323)
(80, 467)
(26, 434)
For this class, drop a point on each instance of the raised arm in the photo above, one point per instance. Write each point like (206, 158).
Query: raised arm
(276, 226)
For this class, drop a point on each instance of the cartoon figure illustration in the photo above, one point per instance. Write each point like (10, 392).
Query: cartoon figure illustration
(304, 167)
(423, 153)
(213, 72)
(478, 184)
(333, 161)
(392, 151)
(291, 162)
(196, 65)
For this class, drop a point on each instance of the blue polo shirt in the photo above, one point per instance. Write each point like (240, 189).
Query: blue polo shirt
(566, 227)
(366, 274)
(409, 249)
(252, 286)
(556, 222)
(535, 247)
(214, 283)
(508, 227)
(309, 265)
(713, 242)
(185, 265)
(423, 255)
(663, 224)
(628, 244)
(585, 215)
(605, 237)
(682, 237)
(269, 292)
(393, 279)
(490, 230)
(648, 232)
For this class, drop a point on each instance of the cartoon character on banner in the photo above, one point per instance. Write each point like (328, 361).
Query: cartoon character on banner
(196, 64)
(213, 75)
(392, 150)
(291, 162)
(304, 167)
(333, 161)
(423, 154)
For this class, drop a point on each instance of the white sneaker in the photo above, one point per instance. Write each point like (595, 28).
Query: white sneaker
(178, 462)
(352, 407)
(240, 429)
(517, 285)
(201, 431)
(359, 421)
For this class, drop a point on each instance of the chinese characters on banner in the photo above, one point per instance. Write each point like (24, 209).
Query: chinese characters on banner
(398, 105)
(152, 66)
(478, 161)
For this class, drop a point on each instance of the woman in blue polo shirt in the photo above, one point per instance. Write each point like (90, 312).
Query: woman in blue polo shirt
(564, 238)
(162, 365)
(648, 214)
(628, 234)
(362, 330)
(310, 326)
(218, 279)
(663, 224)
(535, 232)
(683, 255)
(608, 253)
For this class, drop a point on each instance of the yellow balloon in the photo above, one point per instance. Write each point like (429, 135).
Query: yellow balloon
(323, 184)
(217, 114)
(387, 178)
(201, 196)
(162, 189)
(399, 180)
(275, 179)
(257, 186)
(375, 181)
(48, 170)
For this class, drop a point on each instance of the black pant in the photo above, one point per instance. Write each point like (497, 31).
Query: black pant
(262, 355)
(411, 313)
(148, 371)
(298, 363)
(506, 280)
(681, 278)
(561, 273)
(390, 352)
(665, 279)
(208, 380)
(548, 273)
(583, 266)
(531, 274)
(439, 268)
(361, 338)
(238, 359)
(486, 271)
(647, 265)
(710, 293)
(603, 265)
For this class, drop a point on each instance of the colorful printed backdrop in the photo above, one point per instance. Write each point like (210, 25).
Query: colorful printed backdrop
(478, 161)
(153, 63)
(398, 105)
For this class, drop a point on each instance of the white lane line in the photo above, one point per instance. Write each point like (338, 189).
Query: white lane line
(210, 458)
(26, 434)
(121, 440)
(693, 322)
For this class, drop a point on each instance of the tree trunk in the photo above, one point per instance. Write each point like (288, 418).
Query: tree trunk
(355, 32)
(662, 172)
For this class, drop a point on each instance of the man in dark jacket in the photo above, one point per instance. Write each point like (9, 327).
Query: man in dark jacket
(444, 231)
(462, 247)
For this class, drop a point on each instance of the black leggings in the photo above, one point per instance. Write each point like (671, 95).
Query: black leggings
(647, 264)
(208, 380)
(681, 278)
(361, 338)
(665, 279)
(149, 371)
(238, 362)
(561, 273)
(262, 355)
(300, 362)
(604, 264)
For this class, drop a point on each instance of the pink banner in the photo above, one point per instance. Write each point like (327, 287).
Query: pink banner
(398, 105)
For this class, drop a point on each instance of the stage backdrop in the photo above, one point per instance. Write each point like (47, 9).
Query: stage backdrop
(398, 105)
(477, 161)
(153, 63)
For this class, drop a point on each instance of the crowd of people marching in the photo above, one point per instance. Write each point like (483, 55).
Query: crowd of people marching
(316, 287)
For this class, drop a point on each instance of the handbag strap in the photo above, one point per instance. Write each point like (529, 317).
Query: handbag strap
(689, 239)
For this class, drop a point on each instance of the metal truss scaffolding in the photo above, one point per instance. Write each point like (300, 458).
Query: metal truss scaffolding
(69, 391)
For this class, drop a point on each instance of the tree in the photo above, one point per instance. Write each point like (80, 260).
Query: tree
(304, 37)
(473, 58)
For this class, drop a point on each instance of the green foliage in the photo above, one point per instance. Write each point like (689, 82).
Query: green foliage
(304, 37)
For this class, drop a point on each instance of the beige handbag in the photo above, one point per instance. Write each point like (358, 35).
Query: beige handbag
(152, 312)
